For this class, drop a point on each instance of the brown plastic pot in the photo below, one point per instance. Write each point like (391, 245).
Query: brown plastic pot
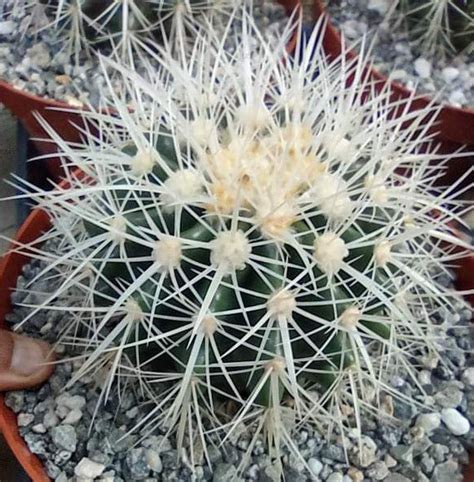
(62, 117)
(11, 267)
(454, 126)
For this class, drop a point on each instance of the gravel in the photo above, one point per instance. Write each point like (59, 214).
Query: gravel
(455, 422)
(452, 79)
(34, 62)
(60, 425)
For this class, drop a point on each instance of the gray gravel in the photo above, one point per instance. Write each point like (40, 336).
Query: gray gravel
(59, 427)
(33, 62)
(452, 79)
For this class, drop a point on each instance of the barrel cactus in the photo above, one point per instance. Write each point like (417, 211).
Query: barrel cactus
(251, 244)
(439, 25)
(94, 23)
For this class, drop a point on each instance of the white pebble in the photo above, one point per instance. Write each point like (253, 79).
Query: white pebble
(39, 428)
(88, 469)
(154, 461)
(424, 377)
(398, 74)
(73, 402)
(468, 376)
(456, 423)
(380, 6)
(457, 98)
(7, 27)
(315, 466)
(335, 477)
(422, 68)
(450, 73)
(25, 419)
(73, 417)
(352, 29)
(429, 421)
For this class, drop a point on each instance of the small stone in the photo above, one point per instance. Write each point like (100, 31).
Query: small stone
(390, 462)
(63, 79)
(355, 474)
(424, 377)
(366, 455)
(108, 476)
(73, 417)
(380, 6)
(446, 472)
(457, 98)
(333, 452)
(427, 463)
(7, 27)
(335, 477)
(450, 73)
(396, 477)
(88, 469)
(456, 423)
(36, 443)
(137, 463)
(402, 453)
(387, 405)
(15, 400)
(154, 461)
(378, 471)
(422, 67)
(398, 74)
(53, 470)
(24, 419)
(64, 437)
(468, 377)
(449, 397)
(353, 29)
(429, 421)
(225, 473)
(438, 452)
(50, 419)
(132, 413)
(39, 55)
(39, 428)
(73, 101)
(158, 443)
(315, 466)
(73, 402)
(62, 477)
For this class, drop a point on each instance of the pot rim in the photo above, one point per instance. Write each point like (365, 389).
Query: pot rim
(320, 9)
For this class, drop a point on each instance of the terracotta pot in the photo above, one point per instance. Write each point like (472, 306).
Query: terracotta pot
(10, 268)
(26, 106)
(454, 127)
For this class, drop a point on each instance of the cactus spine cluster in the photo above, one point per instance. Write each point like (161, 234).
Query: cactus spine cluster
(86, 24)
(250, 233)
(440, 25)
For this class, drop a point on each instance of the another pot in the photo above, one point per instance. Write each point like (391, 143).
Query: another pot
(62, 117)
(11, 267)
(454, 127)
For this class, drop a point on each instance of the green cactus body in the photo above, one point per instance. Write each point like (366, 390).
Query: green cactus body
(440, 23)
(321, 299)
(100, 23)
